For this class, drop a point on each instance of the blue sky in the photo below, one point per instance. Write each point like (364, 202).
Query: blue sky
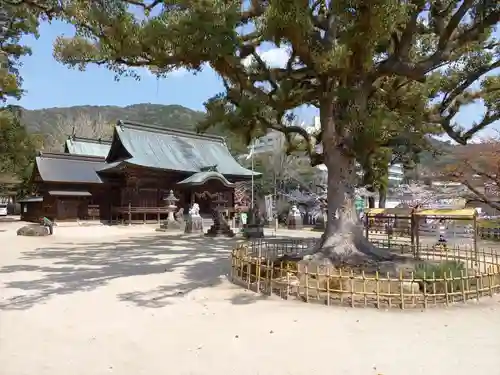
(50, 84)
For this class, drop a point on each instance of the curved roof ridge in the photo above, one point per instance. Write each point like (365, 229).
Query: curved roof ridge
(63, 155)
(90, 140)
(173, 131)
(200, 178)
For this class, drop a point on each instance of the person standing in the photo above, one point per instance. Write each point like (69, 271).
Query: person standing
(48, 224)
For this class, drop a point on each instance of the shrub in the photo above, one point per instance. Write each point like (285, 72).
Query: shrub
(428, 272)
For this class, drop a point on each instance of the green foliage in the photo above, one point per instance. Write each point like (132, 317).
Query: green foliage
(17, 149)
(16, 145)
(367, 60)
(436, 274)
(15, 22)
(383, 74)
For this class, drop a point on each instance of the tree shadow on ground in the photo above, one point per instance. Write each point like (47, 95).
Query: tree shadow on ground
(70, 268)
(10, 219)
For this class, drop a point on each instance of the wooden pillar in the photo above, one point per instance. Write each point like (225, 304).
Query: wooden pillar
(129, 213)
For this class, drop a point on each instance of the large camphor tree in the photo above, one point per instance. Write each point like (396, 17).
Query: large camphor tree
(359, 62)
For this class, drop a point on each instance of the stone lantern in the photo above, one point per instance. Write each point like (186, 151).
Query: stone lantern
(294, 219)
(322, 218)
(220, 226)
(171, 223)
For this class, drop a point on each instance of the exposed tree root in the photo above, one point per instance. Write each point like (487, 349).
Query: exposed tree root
(353, 250)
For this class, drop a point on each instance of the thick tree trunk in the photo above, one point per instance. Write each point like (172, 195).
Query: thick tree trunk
(382, 198)
(343, 240)
(371, 202)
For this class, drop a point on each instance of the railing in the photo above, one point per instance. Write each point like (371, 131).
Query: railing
(130, 214)
(139, 210)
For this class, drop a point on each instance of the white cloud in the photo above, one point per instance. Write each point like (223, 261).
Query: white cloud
(178, 73)
(274, 58)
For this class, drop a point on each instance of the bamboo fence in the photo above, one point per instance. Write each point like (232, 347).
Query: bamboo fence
(459, 274)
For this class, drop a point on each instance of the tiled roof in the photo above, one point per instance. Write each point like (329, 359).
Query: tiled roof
(59, 167)
(87, 146)
(173, 149)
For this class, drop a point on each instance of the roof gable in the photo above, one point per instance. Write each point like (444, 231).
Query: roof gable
(87, 146)
(117, 151)
(172, 149)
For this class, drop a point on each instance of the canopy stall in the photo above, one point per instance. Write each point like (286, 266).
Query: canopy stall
(391, 225)
(452, 224)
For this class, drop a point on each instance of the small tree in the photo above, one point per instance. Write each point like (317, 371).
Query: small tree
(417, 195)
(17, 147)
(477, 166)
(345, 57)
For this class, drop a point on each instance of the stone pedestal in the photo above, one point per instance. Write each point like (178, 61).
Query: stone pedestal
(255, 226)
(220, 227)
(320, 224)
(194, 223)
(170, 225)
(253, 231)
(294, 219)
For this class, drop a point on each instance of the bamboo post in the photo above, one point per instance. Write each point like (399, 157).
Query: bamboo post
(424, 283)
(231, 271)
(377, 289)
(306, 283)
(484, 261)
(433, 280)
(413, 282)
(416, 249)
(269, 274)
(497, 271)
(341, 286)
(328, 286)
(365, 301)
(462, 284)
(249, 270)
(367, 226)
(242, 267)
(490, 274)
(259, 263)
(401, 290)
(475, 232)
(318, 292)
(477, 285)
(353, 286)
(389, 291)
(446, 293)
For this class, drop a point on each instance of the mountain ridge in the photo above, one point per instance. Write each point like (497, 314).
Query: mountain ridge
(54, 125)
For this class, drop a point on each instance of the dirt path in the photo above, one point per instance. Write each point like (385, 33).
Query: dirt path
(142, 303)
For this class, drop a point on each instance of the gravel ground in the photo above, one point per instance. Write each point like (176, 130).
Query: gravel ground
(104, 300)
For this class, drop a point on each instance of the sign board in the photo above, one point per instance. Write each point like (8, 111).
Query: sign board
(359, 204)
(244, 218)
